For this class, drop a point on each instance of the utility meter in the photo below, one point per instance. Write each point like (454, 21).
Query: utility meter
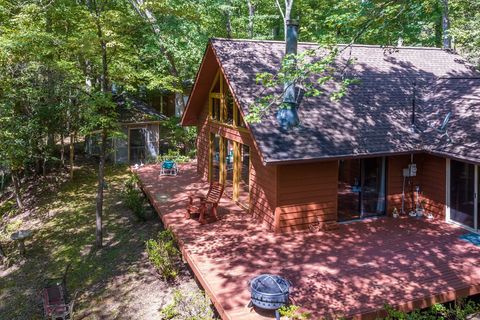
(412, 168)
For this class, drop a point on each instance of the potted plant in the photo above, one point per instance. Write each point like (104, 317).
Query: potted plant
(395, 213)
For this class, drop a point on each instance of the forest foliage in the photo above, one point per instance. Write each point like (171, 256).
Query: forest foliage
(60, 58)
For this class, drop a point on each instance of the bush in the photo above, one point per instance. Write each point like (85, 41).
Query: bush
(460, 310)
(292, 312)
(134, 198)
(188, 305)
(176, 137)
(173, 155)
(164, 255)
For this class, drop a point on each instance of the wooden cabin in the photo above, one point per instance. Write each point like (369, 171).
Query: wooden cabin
(408, 125)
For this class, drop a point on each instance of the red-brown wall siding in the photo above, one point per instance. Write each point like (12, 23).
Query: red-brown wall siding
(430, 177)
(432, 174)
(263, 195)
(307, 194)
(395, 166)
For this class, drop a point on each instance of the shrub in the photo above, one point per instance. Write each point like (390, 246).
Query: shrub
(134, 199)
(174, 136)
(188, 305)
(173, 155)
(292, 312)
(164, 255)
(460, 310)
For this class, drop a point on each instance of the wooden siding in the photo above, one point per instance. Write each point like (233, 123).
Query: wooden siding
(430, 177)
(263, 184)
(395, 166)
(307, 195)
(432, 174)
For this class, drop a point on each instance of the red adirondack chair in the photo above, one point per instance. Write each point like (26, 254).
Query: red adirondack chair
(208, 203)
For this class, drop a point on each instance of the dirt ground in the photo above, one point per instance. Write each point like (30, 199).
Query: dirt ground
(115, 282)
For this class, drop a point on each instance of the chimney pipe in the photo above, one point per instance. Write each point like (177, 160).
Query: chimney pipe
(287, 115)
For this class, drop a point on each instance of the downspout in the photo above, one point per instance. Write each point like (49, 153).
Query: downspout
(287, 115)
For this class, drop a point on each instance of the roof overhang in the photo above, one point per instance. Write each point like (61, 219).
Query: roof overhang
(205, 76)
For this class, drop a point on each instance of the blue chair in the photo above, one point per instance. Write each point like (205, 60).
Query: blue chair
(169, 168)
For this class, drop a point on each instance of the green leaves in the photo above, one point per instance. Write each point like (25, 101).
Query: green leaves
(310, 71)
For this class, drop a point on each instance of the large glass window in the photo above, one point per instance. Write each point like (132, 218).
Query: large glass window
(462, 192)
(244, 183)
(215, 160)
(215, 108)
(229, 165)
(229, 108)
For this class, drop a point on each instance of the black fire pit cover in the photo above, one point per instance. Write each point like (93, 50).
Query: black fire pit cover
(269, 284)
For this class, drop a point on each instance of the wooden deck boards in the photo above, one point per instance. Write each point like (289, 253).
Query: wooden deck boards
(352, 271)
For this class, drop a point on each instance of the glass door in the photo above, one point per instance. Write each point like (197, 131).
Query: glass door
(361, 188)
(373, 187)
(349, 187)
(137, 145)
(463, 190)
(229, 165)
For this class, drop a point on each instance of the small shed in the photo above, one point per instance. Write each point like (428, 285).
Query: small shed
(140, 125)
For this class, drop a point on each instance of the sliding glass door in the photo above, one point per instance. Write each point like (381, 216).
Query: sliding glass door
(463, 189)
(361, 188)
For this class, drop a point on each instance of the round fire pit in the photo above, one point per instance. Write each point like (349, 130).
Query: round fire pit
(269, 292)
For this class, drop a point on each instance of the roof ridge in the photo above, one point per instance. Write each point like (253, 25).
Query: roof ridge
(378, 46)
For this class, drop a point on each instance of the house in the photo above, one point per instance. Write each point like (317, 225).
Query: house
(140, 125)
(411, 124)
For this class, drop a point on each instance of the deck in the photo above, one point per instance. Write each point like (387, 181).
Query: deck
(351, 272)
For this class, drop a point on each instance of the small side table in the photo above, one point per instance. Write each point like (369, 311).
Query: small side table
(21, 236)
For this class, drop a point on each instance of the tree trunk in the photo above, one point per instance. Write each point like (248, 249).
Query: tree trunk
(72, 153)
(147, 15)
(16, 187)
(44, 166)
(228, 21)
(62, 149)
(251, 16)
(101, 184)
(286, 15)
(447, 40)
(101, 166)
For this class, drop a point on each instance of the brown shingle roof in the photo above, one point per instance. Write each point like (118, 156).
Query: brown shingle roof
(374, 117)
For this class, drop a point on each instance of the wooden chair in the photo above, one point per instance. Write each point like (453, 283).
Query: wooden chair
(205, 203)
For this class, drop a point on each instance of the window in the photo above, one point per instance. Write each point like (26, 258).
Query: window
(222, 106)
(244, 175)
(215, 109)
(240, 123)
(229, 108)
